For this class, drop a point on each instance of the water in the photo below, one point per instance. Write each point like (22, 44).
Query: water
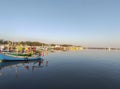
(88, 69)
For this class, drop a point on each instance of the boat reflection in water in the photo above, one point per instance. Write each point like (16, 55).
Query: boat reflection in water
(27, 65)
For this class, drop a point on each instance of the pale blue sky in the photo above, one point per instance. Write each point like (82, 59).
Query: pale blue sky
(81, 22)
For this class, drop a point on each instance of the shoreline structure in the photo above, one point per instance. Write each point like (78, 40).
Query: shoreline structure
(39, 46)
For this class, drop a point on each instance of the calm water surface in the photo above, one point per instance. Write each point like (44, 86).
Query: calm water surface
(89, 69)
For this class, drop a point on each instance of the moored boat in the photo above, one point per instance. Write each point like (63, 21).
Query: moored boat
(8, 57)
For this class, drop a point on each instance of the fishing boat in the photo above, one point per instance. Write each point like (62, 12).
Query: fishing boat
(8, 57)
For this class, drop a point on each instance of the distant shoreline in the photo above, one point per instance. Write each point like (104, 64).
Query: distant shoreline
(102, 48)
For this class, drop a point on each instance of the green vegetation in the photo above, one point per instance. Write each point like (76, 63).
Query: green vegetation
(29, 43)
(66, 45)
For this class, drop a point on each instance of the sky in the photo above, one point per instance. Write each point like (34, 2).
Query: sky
(93, 23)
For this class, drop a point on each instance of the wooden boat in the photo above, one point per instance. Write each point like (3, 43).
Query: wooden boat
(20, 54)
(8, 57)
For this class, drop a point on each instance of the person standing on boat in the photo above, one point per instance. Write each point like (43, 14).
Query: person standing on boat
(41, 53)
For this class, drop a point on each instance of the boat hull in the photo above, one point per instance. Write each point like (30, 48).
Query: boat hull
(5, 57)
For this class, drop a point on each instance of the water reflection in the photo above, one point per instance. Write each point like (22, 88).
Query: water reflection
(26, 65)
(88, 69)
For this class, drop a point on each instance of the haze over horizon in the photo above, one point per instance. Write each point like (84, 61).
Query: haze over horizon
(93, 23)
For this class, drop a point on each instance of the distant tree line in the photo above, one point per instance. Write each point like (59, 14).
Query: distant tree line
(29, 43)
(66, 45)
(3, 41)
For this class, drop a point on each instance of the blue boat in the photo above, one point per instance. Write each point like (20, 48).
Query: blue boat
(7, 57)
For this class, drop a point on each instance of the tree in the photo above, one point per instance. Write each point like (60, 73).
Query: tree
(1, 41)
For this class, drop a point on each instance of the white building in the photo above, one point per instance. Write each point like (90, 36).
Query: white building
(1, 47)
